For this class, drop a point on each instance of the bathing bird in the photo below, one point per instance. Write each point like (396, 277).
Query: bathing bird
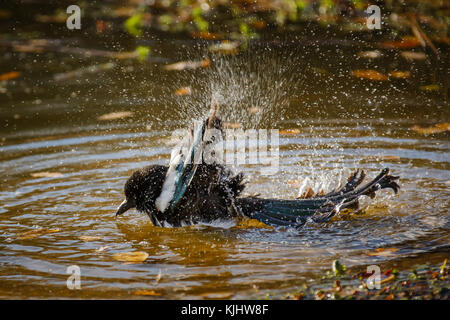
(197, 188)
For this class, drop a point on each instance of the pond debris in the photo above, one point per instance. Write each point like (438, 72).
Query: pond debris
(290, 132)
(225, 47)
(382, 252)
(9, 75)
(187, 65)
(36, 233)
(430, 87)
(232, 125)
(84, 71)
(46, 174)
(437, 128)
(373, 54)
(370, 74)
(115, 115)
(102, 248)
(413, 55)
(183, 91)
(400, 74)
(135, 256)
(407, 42)
(146, 293)
(90, 238)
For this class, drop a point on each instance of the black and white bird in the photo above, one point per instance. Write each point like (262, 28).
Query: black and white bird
(191, 190)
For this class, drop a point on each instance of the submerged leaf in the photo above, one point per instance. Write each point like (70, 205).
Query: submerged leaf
(115, 115)
(370, 74)
(183, 91)
(9, 75)
(46, 174)
(290, 131)
(136, 256)
(399, 74)
(146, 293)
(187, 65)
(89, 238)
(36, 233)
(440, 127)
(382, 252)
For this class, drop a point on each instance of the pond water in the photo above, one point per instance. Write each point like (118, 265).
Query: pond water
(342, 123)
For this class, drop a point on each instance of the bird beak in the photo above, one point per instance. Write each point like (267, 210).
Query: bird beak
(124, 206)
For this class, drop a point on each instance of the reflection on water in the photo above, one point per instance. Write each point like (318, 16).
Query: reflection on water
(54, 128)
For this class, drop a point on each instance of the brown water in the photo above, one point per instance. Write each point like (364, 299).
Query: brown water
(344, 123)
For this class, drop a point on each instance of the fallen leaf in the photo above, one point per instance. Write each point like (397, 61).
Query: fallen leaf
(382, 252)
(399, 74)
(297, 183)
(231, 125)
(206, 35)
(136, 256)
(254, 110)
(115, 115)
(102, 248)
(370, 54)
(36, 233)
(251, 223)
(146, 293)
(9, 75)
(405, 43)
(225, 47)
(385, 158)
(411, 55)
(186, 65)
(430, 87)
(89, 238)
(46, 174)
(370, 74)
(440, 127)
(290, 131)
(183, 91)
(217, 295)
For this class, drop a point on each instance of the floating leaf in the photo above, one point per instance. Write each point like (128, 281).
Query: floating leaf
(136, 256)
(186, 65)
(115, 115)
(412, 55)
(254, 110)
(290, 131)
(146, 293)
(374, 54)
(36, 233)
(225, 47)
(89, 238)
(382, 252)
(206, 35)
(370, 74)
(231, 125)
(430, 87)
(388, 279)
(46, 174)
(9, 75)
(399, 74)
(251, 223)
(102, 248)
(405, 43)
(440, 127)
(183, 91)
(142, 53)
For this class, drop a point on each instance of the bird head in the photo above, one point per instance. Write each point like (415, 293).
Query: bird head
(142, 188)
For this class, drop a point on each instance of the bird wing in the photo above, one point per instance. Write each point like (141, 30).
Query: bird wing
(185, 158)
